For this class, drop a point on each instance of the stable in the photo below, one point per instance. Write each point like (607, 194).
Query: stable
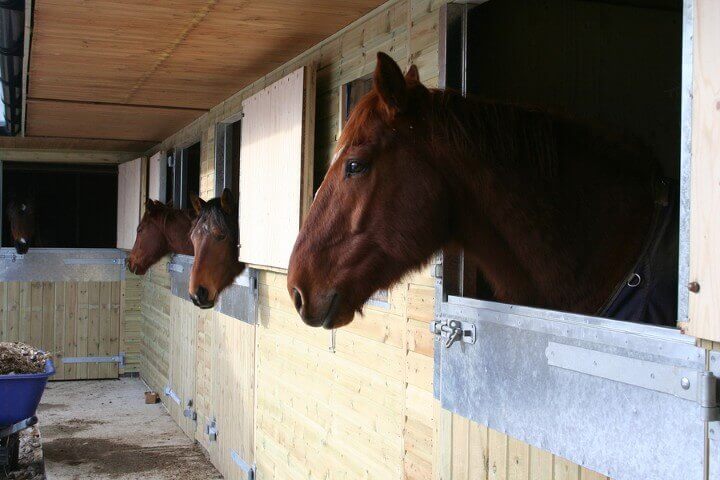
(231, 114)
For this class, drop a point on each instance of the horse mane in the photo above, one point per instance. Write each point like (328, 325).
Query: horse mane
(511, 137)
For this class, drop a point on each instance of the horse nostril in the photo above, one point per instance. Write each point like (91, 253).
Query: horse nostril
(202, 295)
(297, 299)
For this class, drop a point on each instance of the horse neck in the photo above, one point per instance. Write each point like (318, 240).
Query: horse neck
(529, 237)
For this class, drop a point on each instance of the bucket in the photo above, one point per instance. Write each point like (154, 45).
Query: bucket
(20, 394)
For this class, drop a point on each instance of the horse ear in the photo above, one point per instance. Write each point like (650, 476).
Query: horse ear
(227, 201)
(197, 203)
(390, 83)
(149, 205)
(412, 76)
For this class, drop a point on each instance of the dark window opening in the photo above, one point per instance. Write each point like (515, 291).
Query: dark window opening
(608, 63)
(74, 206)
(350, 94)
(227, 157)
(186, 175)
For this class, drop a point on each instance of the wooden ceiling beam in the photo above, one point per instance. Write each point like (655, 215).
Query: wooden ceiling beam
(65, 156)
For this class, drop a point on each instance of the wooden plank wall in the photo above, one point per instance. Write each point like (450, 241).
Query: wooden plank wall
(366, 410)
(75, 319)
(155, 311)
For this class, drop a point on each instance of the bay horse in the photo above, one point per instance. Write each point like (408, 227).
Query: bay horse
(214, 236)
(554, 212)
(162, 230)
(22, 215)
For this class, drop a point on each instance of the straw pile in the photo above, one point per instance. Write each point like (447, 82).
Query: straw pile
(19, 358)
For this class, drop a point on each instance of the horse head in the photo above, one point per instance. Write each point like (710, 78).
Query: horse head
(22, 214)
(162, 230)
(381, 210)
(215, 240)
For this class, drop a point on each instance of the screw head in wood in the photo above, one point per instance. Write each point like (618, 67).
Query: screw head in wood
(694, 287)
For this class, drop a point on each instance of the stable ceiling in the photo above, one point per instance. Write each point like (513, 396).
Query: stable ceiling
(125, 74)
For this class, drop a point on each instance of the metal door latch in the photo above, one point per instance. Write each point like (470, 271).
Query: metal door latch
(211, 430)
(189, 411)
(453, 330)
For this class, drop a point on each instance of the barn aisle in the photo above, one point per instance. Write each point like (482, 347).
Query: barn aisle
(103, 429)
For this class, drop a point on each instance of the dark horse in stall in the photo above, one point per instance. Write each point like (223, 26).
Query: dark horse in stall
(162, 230)
(554, 212)
(214, 237)
(22, 215)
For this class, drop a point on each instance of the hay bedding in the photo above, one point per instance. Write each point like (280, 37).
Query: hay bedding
(19, 358)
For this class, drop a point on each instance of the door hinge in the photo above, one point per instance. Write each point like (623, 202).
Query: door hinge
(707, 395)
(119, 359)
(211, 430)
(169, 392)
(452, 331)
(189, 411)
(248, 469)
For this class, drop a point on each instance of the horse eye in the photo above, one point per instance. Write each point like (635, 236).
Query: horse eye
(355, 167)
(220, 237)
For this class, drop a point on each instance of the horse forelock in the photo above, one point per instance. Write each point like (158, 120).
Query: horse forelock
(212, 212)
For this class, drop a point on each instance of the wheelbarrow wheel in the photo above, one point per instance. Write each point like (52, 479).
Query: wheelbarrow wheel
(10, 452)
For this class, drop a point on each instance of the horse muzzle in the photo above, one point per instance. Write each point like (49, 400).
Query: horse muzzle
(21, 246)
(201, 298)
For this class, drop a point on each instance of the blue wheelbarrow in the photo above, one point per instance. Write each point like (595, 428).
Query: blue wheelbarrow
(19, 398)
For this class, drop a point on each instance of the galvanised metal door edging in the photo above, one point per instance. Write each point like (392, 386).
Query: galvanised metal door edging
(626, 400)
(239, 300)
(62, 265)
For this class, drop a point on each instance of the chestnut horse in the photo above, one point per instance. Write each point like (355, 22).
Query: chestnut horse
(554, 212)
(162, 230)
(22, 215)
(215, 240)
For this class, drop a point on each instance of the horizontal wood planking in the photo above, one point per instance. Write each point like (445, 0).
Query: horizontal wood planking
(64, 319)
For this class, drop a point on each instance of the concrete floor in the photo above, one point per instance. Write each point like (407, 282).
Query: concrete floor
(104, 430)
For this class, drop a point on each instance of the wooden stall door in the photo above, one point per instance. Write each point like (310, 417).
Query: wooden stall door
(156, 177)
(183, 333)
(131, 190)
(233, 394)
(68, 319)
(275, 168)
(705, 174)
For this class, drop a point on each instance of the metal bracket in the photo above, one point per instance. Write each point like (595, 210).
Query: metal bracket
(189, 411)
(119, 359)
(248, 469)
(211, 430)
(170, 393)
(689, 384)
(453, 330)
(94, 261)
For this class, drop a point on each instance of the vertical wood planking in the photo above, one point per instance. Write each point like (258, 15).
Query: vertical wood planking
(93, 338)
(705, 173)
(58, 341)
(71, 328)
(271, 171)
(66, 319)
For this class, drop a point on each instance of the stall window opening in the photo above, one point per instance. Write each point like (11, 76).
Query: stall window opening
(186, 174)
(228, 136)
(617, 67)
(72, 206)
